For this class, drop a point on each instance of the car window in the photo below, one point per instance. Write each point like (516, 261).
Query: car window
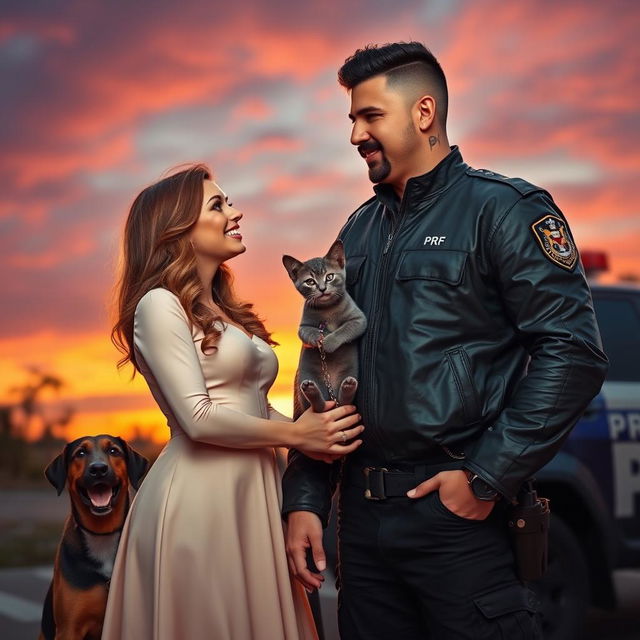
(619, 323)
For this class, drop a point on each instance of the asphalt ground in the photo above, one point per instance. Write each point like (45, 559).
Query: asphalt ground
(22, 589)
(22, 592)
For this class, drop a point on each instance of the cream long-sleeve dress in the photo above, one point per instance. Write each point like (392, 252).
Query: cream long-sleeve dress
(202, 552)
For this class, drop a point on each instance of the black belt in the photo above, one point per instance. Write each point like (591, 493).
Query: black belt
(380, 483)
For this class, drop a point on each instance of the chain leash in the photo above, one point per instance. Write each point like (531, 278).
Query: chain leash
(325, 370)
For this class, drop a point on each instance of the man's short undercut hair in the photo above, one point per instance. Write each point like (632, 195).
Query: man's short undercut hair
(404, 64)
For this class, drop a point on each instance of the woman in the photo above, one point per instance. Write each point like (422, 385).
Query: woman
(202, 552)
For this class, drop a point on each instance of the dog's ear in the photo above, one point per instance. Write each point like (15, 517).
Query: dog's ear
(137, 464)
(56, 472)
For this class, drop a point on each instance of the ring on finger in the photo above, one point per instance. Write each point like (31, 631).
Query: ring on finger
(343, 435)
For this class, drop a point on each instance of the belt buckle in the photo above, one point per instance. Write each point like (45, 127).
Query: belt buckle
(377, 475)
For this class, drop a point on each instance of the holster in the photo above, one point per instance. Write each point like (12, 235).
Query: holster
(528, 523)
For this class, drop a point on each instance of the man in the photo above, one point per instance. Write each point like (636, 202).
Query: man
(481, 353)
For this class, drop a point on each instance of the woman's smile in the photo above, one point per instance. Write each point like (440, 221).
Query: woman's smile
(234, 232)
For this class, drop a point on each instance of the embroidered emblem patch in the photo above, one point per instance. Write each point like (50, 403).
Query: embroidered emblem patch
(552, 235)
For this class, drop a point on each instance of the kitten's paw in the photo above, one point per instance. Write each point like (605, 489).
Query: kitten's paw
(313, 394)
(311, 337)
(331, 344)
(348, 390)
(307, 385)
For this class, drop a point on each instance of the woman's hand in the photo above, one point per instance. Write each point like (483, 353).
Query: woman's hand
(323, 436)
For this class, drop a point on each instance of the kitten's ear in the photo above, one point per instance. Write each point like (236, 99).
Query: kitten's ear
(336, 253)
(292, 266)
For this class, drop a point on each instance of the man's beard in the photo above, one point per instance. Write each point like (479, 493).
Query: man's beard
(381, 171)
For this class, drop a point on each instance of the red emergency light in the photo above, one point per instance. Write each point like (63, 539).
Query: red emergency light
(594, 261)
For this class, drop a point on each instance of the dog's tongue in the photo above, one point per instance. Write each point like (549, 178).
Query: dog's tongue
(100, 496)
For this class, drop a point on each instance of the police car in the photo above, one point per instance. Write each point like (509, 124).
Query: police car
(593, 482)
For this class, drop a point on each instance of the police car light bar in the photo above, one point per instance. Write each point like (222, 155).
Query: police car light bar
(594, 261)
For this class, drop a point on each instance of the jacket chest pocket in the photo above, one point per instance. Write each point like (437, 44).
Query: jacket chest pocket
(439, 265)
(431, 280)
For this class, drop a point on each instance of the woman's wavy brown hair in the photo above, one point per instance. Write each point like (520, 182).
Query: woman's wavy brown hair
(157, 252)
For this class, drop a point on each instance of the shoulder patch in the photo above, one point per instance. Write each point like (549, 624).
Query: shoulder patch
(555, 241)
(521, 186)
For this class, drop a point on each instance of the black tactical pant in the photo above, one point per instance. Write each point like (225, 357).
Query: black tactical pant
(412, 569)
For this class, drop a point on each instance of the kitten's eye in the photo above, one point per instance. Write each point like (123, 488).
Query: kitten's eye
(310, 282)
(329, 277)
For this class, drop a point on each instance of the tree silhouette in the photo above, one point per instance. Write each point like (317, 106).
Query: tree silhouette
(28, 401)
(17, 417)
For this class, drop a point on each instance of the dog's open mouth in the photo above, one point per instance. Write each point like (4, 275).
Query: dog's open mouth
(100, 498)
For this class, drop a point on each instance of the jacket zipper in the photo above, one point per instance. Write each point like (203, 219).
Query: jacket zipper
(373, 334)
(388, 244)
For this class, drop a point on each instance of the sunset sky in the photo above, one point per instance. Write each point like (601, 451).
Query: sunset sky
(100, 98)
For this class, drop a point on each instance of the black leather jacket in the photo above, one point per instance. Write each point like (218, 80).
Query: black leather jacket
(478, 339)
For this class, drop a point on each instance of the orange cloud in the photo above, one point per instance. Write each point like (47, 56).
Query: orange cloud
(287, 185)
(251, 109)
(33, 166)
(268, 145)
(48, 31)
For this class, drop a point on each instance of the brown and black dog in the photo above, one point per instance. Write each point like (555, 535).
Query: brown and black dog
(101, 473)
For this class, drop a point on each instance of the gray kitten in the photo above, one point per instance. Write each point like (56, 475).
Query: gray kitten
(328, 306)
